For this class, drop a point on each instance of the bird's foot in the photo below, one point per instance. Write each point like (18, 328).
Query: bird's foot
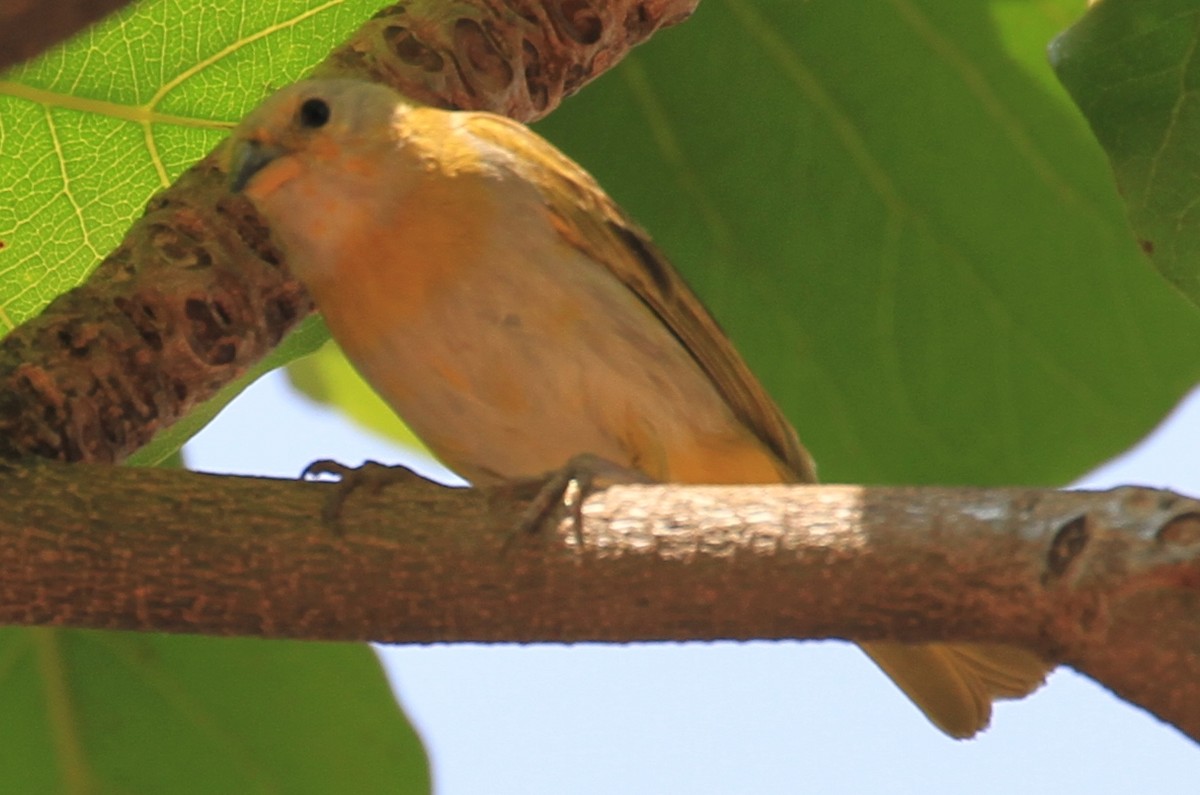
(371, 476)
(565, 490)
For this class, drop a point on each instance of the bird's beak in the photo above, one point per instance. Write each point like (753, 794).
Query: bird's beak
(248, 158)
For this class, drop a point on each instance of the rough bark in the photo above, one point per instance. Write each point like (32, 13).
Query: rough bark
(1107, 582)
(196, 293)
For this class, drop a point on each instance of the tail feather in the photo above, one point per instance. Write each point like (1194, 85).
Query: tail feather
(955, 684)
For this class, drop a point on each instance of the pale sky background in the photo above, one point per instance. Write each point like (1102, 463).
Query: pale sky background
(754, 718)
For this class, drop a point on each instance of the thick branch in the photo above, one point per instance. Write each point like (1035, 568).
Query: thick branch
(1107, 582)
(196, 293)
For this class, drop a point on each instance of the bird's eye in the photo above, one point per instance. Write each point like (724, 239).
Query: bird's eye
(314, 113)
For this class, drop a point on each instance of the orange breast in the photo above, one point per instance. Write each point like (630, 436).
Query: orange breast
(392, 270)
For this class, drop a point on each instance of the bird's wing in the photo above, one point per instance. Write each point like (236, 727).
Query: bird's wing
(590, 221)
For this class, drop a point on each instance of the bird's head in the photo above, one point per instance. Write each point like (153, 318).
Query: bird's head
(311, 127)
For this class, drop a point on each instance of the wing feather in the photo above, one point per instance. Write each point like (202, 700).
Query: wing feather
(589, 220)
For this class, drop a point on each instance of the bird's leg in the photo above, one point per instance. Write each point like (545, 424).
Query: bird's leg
(567, 489)
(372, 476)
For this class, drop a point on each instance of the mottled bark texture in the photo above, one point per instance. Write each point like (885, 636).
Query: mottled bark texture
(196, 293)
(28, 27)
(519, 58)
(1106, 582)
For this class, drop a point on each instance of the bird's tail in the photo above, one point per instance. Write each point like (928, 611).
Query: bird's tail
(954, 684)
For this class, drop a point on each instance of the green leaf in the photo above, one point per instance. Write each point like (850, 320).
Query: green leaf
(904, 225)
(87, 134)
(1131, 66)
(113, 712)
(91, 129)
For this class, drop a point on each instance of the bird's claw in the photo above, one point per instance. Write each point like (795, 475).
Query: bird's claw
(327, 466)
(371, 476)
(567, 489)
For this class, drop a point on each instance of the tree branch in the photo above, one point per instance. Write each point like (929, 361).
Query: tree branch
(1107, 582)
(196, 293)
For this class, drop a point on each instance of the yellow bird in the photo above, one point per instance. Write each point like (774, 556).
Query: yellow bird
(515, 317)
